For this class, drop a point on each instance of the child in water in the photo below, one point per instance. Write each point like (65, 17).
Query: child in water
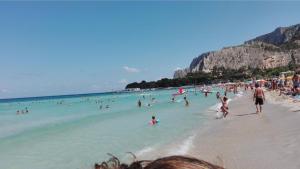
(153, 121)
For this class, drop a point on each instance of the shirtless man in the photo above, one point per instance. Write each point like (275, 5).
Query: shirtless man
(258, 97)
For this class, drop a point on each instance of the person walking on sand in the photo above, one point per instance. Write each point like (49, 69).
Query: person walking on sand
(258, 97)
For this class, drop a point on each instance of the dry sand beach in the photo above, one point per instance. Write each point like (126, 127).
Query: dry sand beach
(246, 140)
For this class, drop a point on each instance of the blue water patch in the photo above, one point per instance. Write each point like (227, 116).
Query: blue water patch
(77, 131)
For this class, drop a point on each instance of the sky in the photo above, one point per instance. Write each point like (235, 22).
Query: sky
(54, 48)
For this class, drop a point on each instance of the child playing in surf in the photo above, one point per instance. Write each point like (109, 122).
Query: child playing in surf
(224, 107)
(153, 121)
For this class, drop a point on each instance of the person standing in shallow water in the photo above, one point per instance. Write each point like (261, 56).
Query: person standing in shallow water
(224, 107)
(218, 95)
(258, 97)
(139, 103)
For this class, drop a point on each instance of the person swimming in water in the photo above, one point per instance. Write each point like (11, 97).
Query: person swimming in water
(153, 120)
(139, 103)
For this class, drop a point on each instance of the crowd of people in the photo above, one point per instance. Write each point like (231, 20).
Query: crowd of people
(284, 86)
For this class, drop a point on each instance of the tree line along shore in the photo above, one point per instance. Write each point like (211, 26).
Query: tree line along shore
(217, 75)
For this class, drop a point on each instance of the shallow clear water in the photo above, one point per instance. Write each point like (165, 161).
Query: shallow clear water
(77, 133)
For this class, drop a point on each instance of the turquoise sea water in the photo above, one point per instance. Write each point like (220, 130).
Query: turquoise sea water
(61, 133)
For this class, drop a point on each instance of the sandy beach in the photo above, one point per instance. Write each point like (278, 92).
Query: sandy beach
(246, 140)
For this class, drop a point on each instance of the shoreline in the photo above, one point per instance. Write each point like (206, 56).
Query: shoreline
(246, 140)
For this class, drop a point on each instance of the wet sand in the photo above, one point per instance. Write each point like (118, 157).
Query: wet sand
(246, 140)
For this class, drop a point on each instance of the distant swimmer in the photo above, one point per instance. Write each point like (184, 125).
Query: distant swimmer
(139, 103)
(153, 100)
(153, 121)
(100, 107)
(107, 106)
(218, 95)
(173, 99)
(26, 110)
(205, 93)
(18, 112)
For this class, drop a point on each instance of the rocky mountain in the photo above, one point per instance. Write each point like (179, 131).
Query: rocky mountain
(275, 49)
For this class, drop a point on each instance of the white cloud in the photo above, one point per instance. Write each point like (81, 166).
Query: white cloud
(123, 81)
(131, 69)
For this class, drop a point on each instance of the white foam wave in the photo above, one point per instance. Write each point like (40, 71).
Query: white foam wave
(145, 150)
(184, 147)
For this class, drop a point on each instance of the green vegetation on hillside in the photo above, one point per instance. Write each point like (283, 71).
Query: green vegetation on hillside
(215, 76)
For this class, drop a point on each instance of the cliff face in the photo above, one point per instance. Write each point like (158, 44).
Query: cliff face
(279, 36)
(275, 49)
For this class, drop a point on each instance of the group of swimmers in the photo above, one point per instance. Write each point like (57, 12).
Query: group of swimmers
(24, 111)
(139, 103)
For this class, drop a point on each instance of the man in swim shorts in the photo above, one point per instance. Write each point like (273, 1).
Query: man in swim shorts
(258, 97)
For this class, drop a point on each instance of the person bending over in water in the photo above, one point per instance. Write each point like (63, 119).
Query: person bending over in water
(258, 97)
(171, 162)
(224, 107)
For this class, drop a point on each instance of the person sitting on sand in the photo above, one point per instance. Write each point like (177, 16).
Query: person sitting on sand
(224, 106)
(258, 97)
(171, 162)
